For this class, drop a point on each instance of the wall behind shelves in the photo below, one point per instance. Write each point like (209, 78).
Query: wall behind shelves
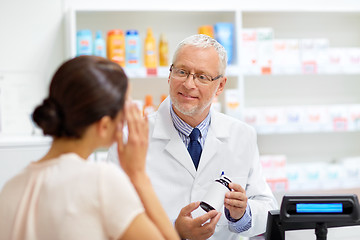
(295, 90)
(32, 47)
(32, 36)
(311, 147)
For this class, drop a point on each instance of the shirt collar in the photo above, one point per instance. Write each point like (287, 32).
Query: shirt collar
(185, 128)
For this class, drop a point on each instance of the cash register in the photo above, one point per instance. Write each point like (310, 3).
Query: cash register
(319, 212)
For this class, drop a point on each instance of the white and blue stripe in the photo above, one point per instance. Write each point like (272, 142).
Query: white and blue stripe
(185, 129)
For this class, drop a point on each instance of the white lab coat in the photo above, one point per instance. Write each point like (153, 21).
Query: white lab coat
(230, 146)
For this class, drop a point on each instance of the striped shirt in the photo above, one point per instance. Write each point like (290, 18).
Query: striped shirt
(185, 129)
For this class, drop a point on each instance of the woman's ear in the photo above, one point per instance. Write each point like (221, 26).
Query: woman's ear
(103, 126)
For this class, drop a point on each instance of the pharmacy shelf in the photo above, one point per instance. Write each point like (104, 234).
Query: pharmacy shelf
(336, 21)
(180, 23)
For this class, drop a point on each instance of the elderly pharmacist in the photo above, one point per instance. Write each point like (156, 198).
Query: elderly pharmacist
(183, 167)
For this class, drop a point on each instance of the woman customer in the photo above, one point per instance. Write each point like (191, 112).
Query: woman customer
(64, 196)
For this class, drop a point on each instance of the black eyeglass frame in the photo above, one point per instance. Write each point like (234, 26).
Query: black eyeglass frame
(188, 74)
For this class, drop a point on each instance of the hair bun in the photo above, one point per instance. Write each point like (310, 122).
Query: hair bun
(48, 116)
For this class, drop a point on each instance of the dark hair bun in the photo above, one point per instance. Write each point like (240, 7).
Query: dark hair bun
(48, 117)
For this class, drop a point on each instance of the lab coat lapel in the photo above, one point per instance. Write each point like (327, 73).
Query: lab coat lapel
(177, 149)
(164, 129)
(216, 135)
(210, 149)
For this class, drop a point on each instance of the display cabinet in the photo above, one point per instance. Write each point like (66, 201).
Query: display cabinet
(325, 87)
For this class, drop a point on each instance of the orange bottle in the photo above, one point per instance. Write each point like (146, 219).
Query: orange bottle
(148, 106)
(162, 98)
(207, 30)
(116, 46)
(150, 50)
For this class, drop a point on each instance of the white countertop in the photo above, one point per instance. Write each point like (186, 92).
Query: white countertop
(24, 141)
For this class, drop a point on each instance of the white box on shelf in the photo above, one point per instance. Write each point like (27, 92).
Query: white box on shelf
(274, 171)
(333, 176)
(294, 119)
(313, 178)
(233, 103)
(316, 119)
(294, 175)
(354, 117)
(286, 58)
(351, 61)
(272, 120)
(321, 47)
(313, 55)
(351, 167)
(339, 117)
(252, 117)
(335, 57)
(308, 56)
(265, 38)
(249, 53)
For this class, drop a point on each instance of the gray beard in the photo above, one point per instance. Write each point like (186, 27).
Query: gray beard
(193, 111)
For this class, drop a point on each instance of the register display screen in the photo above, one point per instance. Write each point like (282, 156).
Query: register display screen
(319, 208)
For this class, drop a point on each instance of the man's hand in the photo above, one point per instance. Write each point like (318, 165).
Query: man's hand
(198, 228)
(236, 201)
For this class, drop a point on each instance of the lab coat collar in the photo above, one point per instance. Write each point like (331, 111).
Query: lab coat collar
(164, 129)
(217, 125)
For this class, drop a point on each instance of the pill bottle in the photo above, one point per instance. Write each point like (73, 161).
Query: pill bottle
(116, 46)
(214, 198)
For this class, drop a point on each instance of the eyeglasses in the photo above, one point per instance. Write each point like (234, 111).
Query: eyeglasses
(182, 74)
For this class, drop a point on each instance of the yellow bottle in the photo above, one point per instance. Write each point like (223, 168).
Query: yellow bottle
(150, 50)
(207, 30)
(116, 46)
(163, 51)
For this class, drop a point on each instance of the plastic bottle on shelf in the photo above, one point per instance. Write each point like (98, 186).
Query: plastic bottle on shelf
(162, 98)
(207, 30)
(150, 50)
(99, 45)
(132, 46)
(116, 46)
(148, 105)
(84, 42)
(163, 51)
(224, 34)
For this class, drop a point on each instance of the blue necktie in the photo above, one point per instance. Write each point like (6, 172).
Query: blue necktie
(194, 147)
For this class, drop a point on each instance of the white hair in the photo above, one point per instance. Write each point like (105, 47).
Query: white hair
(204, 41)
